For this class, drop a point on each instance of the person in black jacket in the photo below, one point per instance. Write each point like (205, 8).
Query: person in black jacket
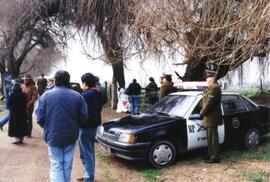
(42, 84)
(18, 115)
(134, 91)
(87, 130)
(103, 92)
(151, 92)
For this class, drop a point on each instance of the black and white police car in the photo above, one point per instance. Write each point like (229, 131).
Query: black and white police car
(174, 126)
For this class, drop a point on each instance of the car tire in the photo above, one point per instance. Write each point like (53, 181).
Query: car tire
(162, 154)
(252, 139)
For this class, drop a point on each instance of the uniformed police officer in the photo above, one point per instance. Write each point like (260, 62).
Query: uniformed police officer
(211, 110)
(167, 86)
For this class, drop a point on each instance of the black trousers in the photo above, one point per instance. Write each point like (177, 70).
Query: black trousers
(30, 121)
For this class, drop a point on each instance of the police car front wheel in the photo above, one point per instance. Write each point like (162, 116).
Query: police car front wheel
(162, 153)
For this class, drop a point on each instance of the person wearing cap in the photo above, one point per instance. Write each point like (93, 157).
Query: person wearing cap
(151, 92)
(93, 98)
(30, 90)
(59, 112)
(18, 115)
(211, 111)
(167, 86)
(134, 91)
(42, 84)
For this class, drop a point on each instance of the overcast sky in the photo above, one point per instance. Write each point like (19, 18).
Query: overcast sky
(77, 64)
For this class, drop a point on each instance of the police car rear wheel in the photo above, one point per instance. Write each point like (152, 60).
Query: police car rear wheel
(162, 154)
(252, 139)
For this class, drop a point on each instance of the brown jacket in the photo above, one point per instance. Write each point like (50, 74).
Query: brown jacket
(211, 109)
(31, 91)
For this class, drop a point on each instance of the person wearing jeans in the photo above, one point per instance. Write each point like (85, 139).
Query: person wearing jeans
(59, 112)
(93, 98)
(135, 104)
(87, 153)
(61, 159)
(4, 121)
(134, 91)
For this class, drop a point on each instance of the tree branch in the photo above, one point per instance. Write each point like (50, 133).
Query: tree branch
(28, 49)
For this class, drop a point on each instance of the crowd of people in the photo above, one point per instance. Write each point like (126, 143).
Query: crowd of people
(59, 108)
(77, 115)
(129, 99)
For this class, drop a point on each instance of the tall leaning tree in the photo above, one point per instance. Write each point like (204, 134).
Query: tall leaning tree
(107, 19)
(26, 32)
(223, 32)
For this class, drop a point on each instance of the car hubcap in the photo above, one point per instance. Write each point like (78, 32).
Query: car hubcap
(253, 139)
(162, 154)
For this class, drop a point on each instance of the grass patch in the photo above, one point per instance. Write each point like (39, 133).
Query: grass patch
(194, 162)
(258, 176)
(102, 158)
(252, 92)
(104, 161)
(261, 154)
(150, 174)
(235, 155)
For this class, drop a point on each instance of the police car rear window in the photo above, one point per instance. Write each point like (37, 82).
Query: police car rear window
(250, 105)
(232, 104)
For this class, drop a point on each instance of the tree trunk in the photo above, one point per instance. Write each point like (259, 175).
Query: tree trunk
(197, 72)
(194, 72)
(114, 54)
(114, 95)
(12, 67)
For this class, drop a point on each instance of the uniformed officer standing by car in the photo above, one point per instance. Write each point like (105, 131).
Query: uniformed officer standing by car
(167, 86)
(211, 110)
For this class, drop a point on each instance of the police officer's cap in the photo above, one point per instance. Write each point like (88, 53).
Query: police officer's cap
(211, 69)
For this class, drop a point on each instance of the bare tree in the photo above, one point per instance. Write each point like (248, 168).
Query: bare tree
(225, 32)
(107, 19)
(25, 28)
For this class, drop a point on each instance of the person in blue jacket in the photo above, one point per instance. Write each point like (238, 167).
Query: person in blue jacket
(59, 112)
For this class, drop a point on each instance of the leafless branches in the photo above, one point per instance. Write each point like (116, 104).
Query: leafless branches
(226, 32)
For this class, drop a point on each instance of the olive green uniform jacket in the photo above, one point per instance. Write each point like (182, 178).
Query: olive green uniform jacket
(165, 89)
(211, 107)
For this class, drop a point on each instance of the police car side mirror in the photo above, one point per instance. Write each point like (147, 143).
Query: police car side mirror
(195, 117)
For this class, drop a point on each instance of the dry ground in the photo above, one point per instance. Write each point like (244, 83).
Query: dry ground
(29, 163)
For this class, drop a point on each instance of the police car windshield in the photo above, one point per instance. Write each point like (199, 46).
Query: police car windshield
(174, 105)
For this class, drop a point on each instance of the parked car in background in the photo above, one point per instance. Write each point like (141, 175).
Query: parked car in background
(173, 126)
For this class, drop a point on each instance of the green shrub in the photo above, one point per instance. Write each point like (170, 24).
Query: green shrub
(258, 176)
(252, 92)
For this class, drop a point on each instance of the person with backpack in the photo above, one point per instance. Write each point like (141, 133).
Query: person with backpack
(87, 130)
